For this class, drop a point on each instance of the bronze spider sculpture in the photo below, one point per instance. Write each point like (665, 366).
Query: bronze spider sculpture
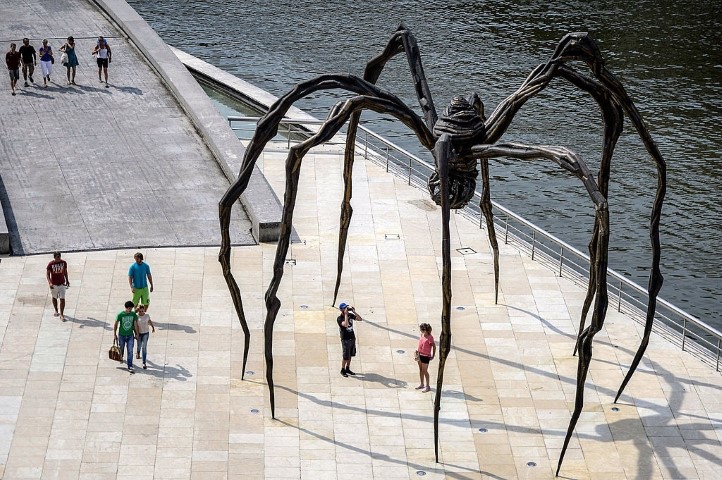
(458, 139)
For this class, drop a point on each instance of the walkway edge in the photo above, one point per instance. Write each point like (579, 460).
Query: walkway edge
(259, 200)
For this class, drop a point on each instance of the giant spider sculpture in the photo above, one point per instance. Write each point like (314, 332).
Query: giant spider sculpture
(458, 139)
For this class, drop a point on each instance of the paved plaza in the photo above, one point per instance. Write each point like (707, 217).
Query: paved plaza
(100, 173)
(70, 412)
(85, 167)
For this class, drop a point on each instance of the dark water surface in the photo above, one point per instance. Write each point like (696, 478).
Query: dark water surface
(667, 54)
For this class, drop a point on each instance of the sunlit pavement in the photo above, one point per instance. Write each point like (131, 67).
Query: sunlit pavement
(68, 411)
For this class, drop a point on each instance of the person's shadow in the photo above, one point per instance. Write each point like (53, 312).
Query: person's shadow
(130, 90)
(177, 372)
(385, 381)
(30, 93)
(89, 322)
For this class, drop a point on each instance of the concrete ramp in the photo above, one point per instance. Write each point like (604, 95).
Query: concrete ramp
(86, 167)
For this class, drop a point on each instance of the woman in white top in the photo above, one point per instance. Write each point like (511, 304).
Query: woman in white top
(144, 322)
(102, 50)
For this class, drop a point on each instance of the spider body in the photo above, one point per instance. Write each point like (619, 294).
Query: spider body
(464, 123)
(459, 140)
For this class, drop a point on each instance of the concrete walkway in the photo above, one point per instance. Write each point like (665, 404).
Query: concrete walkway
(70, 412)
(86, 167)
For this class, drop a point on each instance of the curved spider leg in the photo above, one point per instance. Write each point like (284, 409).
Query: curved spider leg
(339, 114)
(442, 153)
(580, 46)
(613, 119)
(571, 162)
(485, 206)
(266, 129)
(401, 41)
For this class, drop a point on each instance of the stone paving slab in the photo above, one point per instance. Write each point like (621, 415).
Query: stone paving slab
(86, 167)
(68, 411)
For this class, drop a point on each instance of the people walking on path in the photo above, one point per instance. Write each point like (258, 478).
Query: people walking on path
(139, 278)
(46, 61)
(348, 337)
(144, 322)
(124, 331)
(102, 50)
(426, 352)
(57, 275)
(12, 60)
(72, 61)
(29, 60)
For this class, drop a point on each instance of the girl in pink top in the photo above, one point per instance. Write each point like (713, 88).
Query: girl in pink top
(426, 351)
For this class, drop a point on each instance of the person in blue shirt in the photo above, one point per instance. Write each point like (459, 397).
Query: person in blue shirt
(139, 277)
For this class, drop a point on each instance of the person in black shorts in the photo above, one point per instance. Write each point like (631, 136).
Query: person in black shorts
(348, 337)
(29, 60)
(102, 50)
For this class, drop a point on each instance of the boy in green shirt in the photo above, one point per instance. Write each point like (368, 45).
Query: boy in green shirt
(127, 320)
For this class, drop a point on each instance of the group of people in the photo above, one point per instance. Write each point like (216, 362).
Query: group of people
(132, 324)
(26, 59)
(425, 352)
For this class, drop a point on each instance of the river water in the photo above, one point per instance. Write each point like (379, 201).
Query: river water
(666, 53)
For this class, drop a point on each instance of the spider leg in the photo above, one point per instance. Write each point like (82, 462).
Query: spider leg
(485, 206)
(442, 152)
(401, 41)
(581, 47)
(338, 117)
(266, 129)
(613, 119)
(574, 164)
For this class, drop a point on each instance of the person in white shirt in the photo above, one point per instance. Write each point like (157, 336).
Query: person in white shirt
(144, 322)
(102, 50)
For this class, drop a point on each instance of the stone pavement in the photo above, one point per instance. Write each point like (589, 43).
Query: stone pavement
(86, 167)
(70, 412)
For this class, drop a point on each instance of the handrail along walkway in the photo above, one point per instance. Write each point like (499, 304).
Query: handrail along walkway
(677, 326)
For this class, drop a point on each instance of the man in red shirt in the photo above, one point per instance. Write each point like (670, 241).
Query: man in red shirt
(57, 273)
(12, 60)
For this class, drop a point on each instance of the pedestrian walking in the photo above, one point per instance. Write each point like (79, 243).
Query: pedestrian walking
(125, 330)
(348, 337)
(139, 278)
(104, 54)
(57, 275)
(72, 61)
(12, 60)
(144, 322)
(46, 61)
(29, 60)
(425, 352)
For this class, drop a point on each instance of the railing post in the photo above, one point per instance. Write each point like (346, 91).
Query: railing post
(684, 332)
(387, 159)
(561, 261)
(409, 170)
(619, 297)
(533, 243)
(718, 345)
(289, 135)
(506, 230)
(366, 146)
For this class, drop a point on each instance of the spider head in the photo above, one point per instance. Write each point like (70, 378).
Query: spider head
(464, 120)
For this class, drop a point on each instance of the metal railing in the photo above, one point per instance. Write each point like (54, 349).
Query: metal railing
(674, 324)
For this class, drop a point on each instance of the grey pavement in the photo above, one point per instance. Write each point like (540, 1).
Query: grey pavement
(86, 167)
